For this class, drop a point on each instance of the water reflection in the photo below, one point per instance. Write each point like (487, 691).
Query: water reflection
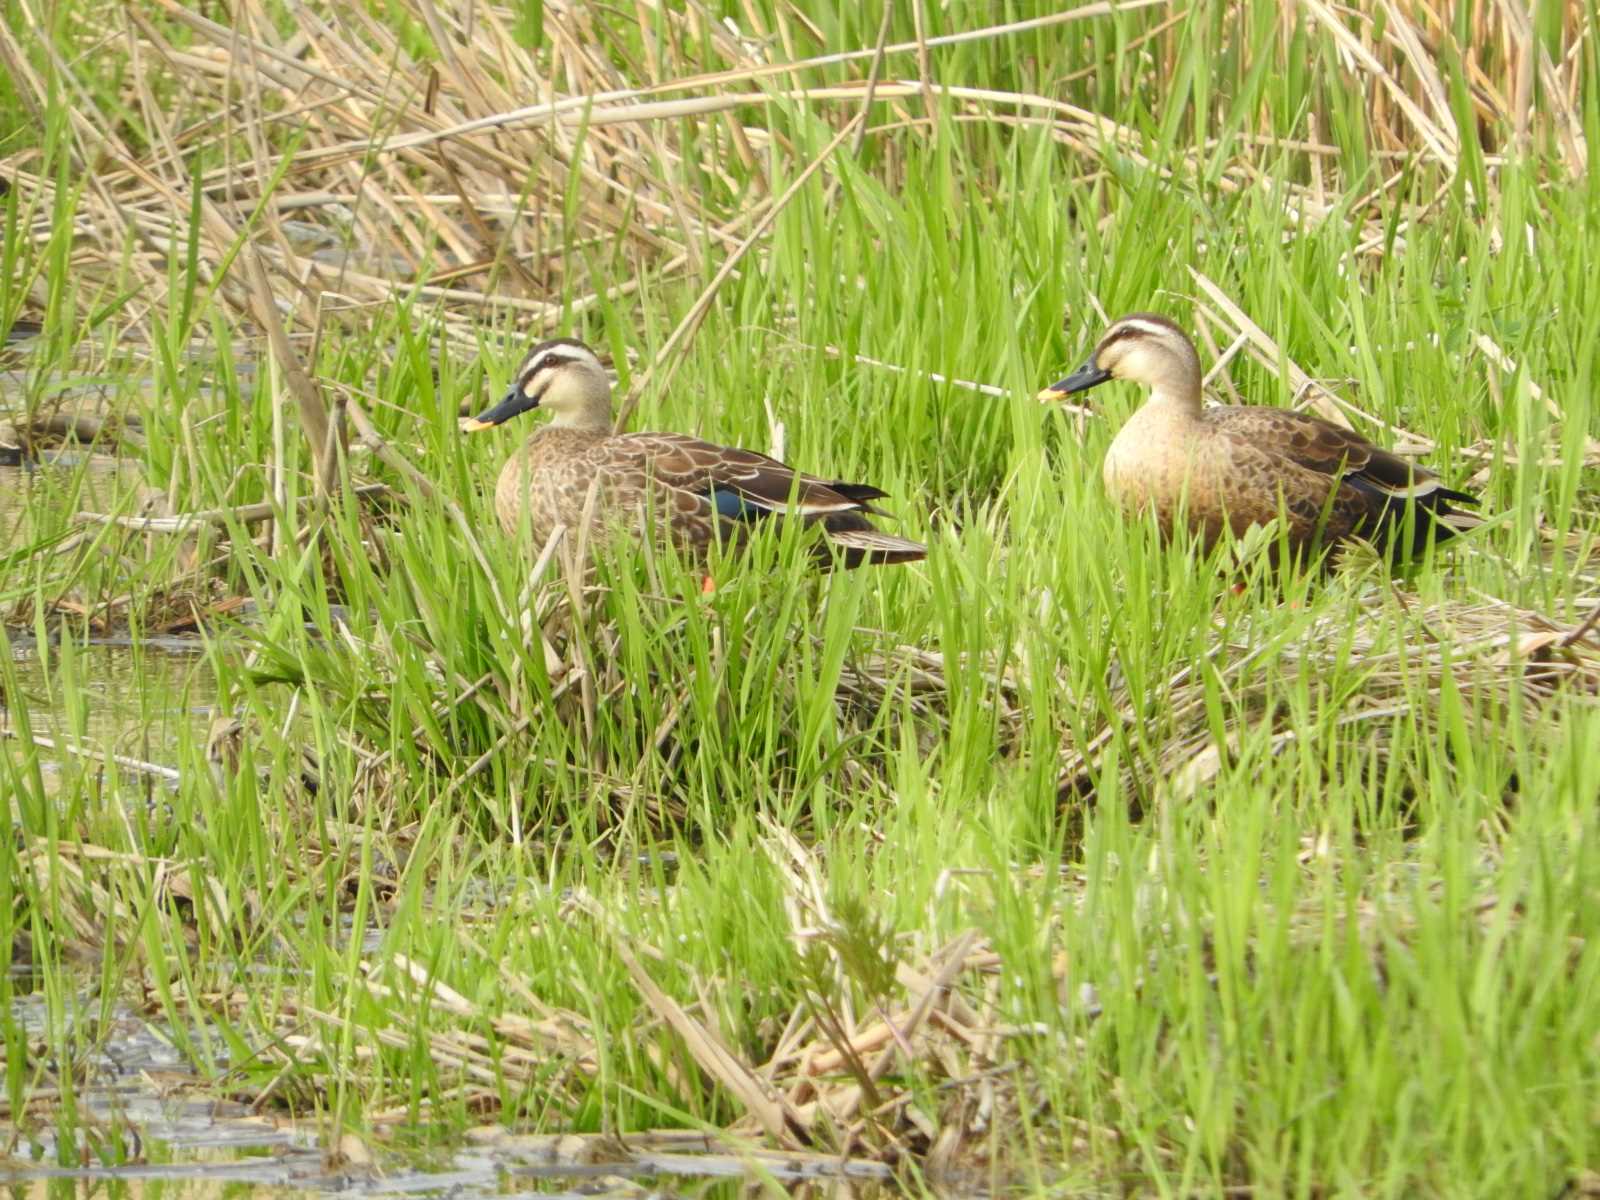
(139, 699)
(36, 497)
(147, 1125)
(136, 1099)
(134, 697)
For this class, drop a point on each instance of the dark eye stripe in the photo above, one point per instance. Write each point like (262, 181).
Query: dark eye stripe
(548, 361)
(1144, 327)
(1121, 334)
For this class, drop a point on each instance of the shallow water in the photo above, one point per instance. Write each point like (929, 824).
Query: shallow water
(140, 1108)
(148, 1125)
(113, 695)
(70, 482)
(107, 697)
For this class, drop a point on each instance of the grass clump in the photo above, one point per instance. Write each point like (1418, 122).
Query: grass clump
(1051, 859)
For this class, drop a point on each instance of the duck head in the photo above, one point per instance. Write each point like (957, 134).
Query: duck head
(562, 376)
(1140, 347)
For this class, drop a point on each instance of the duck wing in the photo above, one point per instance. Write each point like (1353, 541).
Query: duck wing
(707, 485)
(1333, 480)
(1328, 449)
(736, 484)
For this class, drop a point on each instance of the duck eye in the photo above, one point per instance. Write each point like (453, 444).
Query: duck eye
(534, 372)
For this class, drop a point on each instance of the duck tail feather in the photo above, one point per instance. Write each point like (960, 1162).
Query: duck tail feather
(1410, 524)
(875, 547)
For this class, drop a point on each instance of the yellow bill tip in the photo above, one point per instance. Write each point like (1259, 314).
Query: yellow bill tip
(473, 425)
(1049, 395)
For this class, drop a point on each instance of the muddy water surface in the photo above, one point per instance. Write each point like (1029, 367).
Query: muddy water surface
(147, 1125)
(93, 696)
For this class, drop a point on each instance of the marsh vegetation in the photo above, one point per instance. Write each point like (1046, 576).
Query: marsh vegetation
(1056, 860)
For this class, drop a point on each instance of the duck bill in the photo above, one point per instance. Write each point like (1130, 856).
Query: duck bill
(515, 403)
(1081, 380)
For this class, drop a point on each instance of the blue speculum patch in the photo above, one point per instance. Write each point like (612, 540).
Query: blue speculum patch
(735, 507)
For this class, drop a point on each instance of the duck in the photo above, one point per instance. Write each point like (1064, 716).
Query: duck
(1224, 468)
(693, 493)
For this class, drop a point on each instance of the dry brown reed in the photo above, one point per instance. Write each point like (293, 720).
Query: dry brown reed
(341, 166)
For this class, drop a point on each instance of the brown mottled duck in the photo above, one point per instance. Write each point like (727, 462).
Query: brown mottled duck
(693, 492)
(1228, 467)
